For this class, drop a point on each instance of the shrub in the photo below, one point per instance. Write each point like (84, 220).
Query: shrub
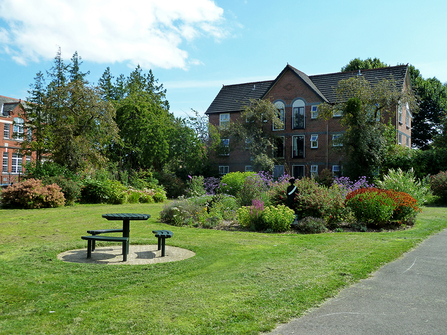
(69, 187)
(250, 217)
(278, 192)
(278, 219)
(252, 189)
(211, 185)
(32, 193)
(438, 185)
(371, 206)
(311, 225)
(195, 186)
(346, 185)
(232, 182)
(206, 211)
(325, 178)
(401, 181)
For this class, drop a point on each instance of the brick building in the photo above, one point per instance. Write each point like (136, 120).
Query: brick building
(305, 143)
(12, 132)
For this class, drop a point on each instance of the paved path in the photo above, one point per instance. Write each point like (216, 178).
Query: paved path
(407, 296)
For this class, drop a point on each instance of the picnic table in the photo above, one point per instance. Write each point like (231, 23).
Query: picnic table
(126, 218)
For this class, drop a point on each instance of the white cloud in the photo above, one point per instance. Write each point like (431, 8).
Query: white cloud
(145, 32)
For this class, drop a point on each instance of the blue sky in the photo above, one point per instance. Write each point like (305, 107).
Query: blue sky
(194, 47)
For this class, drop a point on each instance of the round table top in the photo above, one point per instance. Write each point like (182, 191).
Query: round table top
(126, 216)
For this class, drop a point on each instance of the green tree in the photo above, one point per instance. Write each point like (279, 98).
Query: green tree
(431, 97)
(71, 123)
(366, 139)
(254, 130)
(359, 64)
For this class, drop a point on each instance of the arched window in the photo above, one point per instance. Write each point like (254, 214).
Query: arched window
(298, 114)
(281, 115)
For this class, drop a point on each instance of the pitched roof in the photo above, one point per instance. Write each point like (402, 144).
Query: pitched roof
(233, 98)
(327, 83)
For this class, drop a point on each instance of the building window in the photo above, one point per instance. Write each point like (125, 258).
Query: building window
(248, 168)
(399, 113)
(337, 113)
(224, 169)
(407, 116)
(336, 170)
(224, 120)
(408, 141)
(314, 170)
(298, 171)
(298, 146)
(298, 114)
(5, 161)
(281, 115)
(278, 171)
(224, 147)
(400, 138)
(279, 147)
(6, 131)
(314, 141)
(314, 112)
(336, 140)
(16, 166)
(19, 124)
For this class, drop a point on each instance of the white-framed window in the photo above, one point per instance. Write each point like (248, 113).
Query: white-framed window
(6, 131)
(408, 141)
(16, 163)
(298, 146)
(19, 127)
(336, 170)
(224, 169)
(314, 141)
(314, 170)
(5, 161)
(313, 112)
(407, 115)
(337, 113)
(298, 171)
(248, 168)
(279, 150)
(400, 139)
(298, 120)
(278, 171)
(224, 147)
(224, 120)
(281, 115)
(336, 140)
(399, 113)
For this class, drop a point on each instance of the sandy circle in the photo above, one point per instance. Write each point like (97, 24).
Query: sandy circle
(138, 254)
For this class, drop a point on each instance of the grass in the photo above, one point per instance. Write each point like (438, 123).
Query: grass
(238, 282)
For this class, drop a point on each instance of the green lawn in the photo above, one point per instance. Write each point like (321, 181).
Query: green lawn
(238, 282)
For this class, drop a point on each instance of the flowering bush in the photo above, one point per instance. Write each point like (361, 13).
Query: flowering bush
(438, 185)
(278, 192)
(251, 216)
(196, 186)
(252, 189)
(346, 185)
(211, 185)
(205, 211)
(401, 181)
(371, 206)
(32, 194)
(278, 219)
(378, 207)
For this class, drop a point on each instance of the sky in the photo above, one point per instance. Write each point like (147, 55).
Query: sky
(194, 47)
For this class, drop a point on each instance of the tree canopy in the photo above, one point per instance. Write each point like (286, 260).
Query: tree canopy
(366, 138)
(359, 64)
